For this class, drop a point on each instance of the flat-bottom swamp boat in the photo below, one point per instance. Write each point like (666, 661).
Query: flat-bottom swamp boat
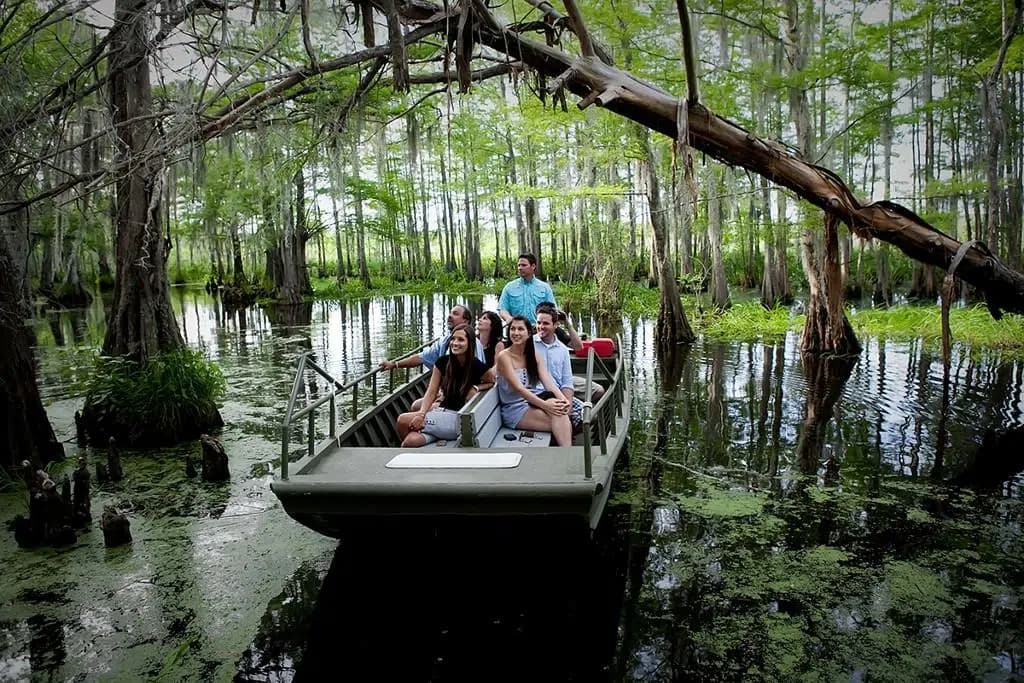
(361, 474)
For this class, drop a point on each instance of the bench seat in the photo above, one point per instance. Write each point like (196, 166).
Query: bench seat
(480, 426)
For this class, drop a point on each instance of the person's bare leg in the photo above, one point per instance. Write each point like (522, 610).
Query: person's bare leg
(404, 424)
(413, 440)
(537, 420)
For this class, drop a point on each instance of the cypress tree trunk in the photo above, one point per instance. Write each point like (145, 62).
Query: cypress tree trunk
(673, 328)
(141, 322)
(719, 287)
(25, 431)
(826, 329)
(364, 269)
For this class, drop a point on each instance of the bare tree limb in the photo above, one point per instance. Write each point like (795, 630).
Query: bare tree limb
(475, 76)
(399, 61)
(307, 41)
(690, 61)
(580, 28)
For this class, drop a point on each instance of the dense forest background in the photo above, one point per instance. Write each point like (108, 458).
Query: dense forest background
(271, 148)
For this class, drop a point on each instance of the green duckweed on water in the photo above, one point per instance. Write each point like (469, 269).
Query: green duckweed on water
(740, 567)
(829, 585)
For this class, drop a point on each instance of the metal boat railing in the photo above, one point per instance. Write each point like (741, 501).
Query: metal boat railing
(611, 402)
(292, 415)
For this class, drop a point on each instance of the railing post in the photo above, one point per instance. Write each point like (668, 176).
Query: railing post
(311, 434)
(373, 384)
(284, 452)
(355, 401)
(588, 467)
(334, 415)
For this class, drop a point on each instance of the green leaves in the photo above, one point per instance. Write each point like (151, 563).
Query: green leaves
(163, 393)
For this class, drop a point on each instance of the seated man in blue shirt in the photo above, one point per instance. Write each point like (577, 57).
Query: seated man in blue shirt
(457, 316)
(547, 339)
(556, 354)
(565, 333)
(521, 296)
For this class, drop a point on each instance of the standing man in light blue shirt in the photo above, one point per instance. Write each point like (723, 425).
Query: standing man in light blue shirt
(521, 296)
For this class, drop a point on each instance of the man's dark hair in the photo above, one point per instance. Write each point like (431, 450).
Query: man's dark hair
(529, 257)
(467, 313)
(550, 312)
(545, 307)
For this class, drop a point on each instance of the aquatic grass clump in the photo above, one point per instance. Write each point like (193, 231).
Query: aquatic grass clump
(748, 321)
(637, 299)
(171, 398)
(973, 326)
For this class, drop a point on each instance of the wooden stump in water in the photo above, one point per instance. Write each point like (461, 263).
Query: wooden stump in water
(215, 460)
(47, 521)
(82, 513)
(80, 435)
(65, 496)
(114, 461)
(116, 527)
(101, 473)
(190, 467)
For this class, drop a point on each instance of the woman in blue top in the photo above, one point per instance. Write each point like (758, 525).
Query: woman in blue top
(459, 375)
(519, 368)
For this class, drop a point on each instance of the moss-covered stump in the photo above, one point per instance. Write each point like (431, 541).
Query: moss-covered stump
(235, 296)
(215, 460)
(169, 399)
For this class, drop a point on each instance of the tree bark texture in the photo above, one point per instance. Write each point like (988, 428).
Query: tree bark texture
(141, 322)
(826, 329)
(25, 431)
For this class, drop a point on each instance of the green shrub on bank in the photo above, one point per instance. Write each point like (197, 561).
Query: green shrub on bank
(172, 396)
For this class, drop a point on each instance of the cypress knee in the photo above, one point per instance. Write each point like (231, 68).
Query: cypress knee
(116, 527)
(215, 460)
(114, 461)
(82, 514)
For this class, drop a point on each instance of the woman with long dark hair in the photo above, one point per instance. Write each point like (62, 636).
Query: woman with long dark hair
(519, 368)
(458, 375)
(488, 329)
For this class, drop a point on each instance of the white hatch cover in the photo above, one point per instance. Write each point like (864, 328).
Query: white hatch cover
(455, 460)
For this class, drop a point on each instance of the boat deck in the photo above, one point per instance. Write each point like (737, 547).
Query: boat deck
(538, 465)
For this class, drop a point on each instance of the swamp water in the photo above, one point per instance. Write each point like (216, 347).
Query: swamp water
(776, 519)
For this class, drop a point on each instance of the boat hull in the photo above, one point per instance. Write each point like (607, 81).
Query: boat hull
(347, 483)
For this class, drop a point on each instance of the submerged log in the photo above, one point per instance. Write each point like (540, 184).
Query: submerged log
(215, 460)
(116, 527)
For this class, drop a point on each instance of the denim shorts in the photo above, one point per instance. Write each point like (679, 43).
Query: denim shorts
(440, 424)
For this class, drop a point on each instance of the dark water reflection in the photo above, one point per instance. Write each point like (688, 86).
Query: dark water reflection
(779, 517)
(520, 602)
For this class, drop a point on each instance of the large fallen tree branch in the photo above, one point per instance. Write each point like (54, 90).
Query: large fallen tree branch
(722, 139)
